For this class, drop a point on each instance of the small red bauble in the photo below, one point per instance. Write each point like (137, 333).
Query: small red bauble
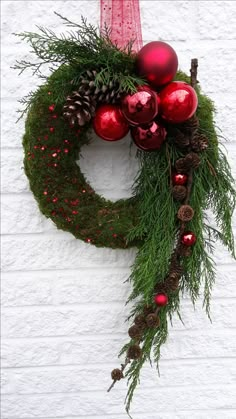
(158, 62)
(109, 123)
(161, 300)
(179, 179)
(178, 102)
(188, 238)
(140, 107)
(149, 137)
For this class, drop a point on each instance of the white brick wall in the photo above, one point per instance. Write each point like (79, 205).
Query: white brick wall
(63, 300)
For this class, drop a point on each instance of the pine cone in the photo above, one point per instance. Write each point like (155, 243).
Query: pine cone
(192, 160)
(134, 352)
(78, 109)
(181, 140)
(117, 374)
(147, 310)
(199, 143)
(135, 332)
(190, 126)
(140, 321)
(182, 165)
(185, 213)
(172, 284)
(160, 288)
(179, 192)
(184, 251)
(152, 320)
(100, 93)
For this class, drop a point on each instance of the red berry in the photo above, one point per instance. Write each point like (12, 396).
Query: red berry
(179, 179)
(188, 238)
(161, 300)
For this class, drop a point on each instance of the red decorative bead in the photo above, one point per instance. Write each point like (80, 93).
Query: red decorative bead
(84, 191)
(188, 238)
(161, 300)
(54, 116)
(88, 240)
(49, 93)
(45, 192)
(51, 129)
(178, 102)
(54, 154)
(109, 123)
(51, 108)
(66, 150)
(179, 179)
(74, 212)
(55, 200)
(140, 107)
(158, 62)
(115, 235)
(149, 137)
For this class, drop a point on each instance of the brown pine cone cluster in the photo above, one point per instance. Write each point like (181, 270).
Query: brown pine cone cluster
(78, 109)
(179, 192)
(190, 161)
(185, 213)
(134, 352)
(117, 374)
(100, 92)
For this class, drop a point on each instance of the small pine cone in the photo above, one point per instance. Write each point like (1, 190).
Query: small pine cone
(78, 109)
(176, 274)
(147, 310)
(135, 332)
(184, 251)
(185, 213)
(191, 125)
(117, 374)
(199, 143)
(160, 288)
(152, 320)
(140, 321)
(179, 192)
(182, 165)
(181, 140)
(172, 284)
(192, 160)
(101, 93)
(134, 352)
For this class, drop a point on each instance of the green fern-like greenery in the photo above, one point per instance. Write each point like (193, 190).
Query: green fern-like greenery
(156, 227)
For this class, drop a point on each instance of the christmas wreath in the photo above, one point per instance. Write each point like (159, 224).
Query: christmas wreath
(183, 171)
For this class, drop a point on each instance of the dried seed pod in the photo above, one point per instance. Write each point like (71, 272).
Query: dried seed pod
(192, 160)
(172, 284)
(199, 143)
(185, 213)
(117, 374)
(182, 165)
(179, 192)
(135, 332)
(134, 352)
(140, 320)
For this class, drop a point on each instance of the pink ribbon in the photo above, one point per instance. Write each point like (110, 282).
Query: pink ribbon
(123, 18)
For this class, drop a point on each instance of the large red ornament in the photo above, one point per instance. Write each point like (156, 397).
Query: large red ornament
(179, 179)
(140, 107)
(158, 62)
(109, 123)
(161, 300)
(188, 238)
(178, 102)
(149, 137)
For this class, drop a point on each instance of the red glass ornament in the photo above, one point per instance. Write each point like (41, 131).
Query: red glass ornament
(161, 300)
(140, 107)
(158, 62)
(179, 179)
(109, 123)
(178, 102)
(188, 238)
(149, 137)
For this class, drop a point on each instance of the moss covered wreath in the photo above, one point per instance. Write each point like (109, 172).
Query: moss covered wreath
(185, 174)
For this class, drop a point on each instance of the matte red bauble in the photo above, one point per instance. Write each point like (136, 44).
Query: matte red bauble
(140, 107)
(148, 137)
(188, 238)
(161, 299)
(109, 123)
(179, 179)
(158, 62)
(178, 102)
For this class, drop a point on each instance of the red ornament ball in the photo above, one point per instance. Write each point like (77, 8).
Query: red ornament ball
(179, 179)
(148, 137)
(141, 107)
(188, 238)
(158, 62)
(109, 123)
(161, 300)
(178, 102)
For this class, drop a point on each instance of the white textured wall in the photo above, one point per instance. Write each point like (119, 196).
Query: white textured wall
(63, 300)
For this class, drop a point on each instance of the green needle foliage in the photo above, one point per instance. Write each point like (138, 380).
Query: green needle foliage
(148, 219)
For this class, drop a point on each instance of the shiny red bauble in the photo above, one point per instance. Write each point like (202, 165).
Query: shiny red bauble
(188, 238)
(179, 179)
(149, 137)
(157, 62)
(161, 300)
(141, 107)
(109, 123)
(178, 102)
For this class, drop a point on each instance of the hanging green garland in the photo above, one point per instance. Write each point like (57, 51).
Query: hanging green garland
(183, 171)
